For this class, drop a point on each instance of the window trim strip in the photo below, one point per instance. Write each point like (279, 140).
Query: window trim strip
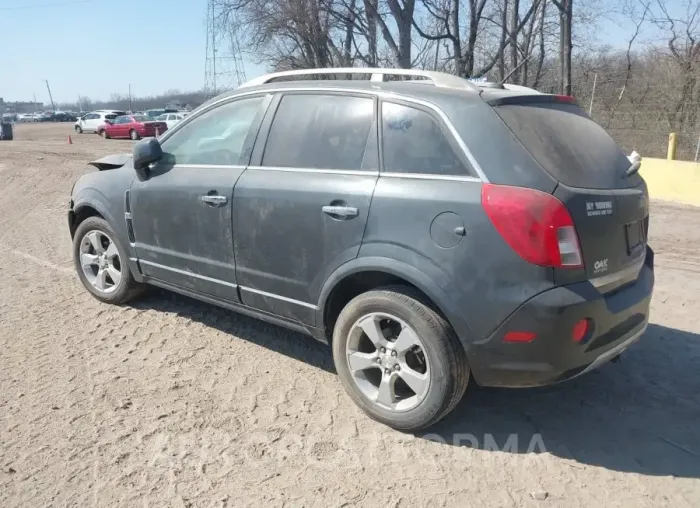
(382, 94)
(358, 172)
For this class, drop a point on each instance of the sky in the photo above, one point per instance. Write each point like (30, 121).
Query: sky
(94, 48)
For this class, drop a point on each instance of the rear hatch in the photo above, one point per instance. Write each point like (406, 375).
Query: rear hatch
(609, 207)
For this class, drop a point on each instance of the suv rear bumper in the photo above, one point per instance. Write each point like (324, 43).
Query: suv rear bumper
(617, 320)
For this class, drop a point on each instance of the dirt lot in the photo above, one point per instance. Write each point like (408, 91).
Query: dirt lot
(170, 402)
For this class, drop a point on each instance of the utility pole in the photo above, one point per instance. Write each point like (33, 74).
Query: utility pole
(34, 103)
(590, 106)
(213, 47)
(53, 106)
(131, 110)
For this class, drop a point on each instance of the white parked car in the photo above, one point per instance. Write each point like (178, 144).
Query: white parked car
(25, 117)
(172, 118)
(92, 121)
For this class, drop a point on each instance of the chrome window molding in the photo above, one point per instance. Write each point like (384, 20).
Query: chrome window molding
(371, 93)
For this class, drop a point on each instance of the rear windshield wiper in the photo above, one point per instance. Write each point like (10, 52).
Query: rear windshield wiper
(633, 168)
(636, 161)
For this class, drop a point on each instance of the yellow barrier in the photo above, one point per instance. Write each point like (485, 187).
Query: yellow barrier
(672, 180)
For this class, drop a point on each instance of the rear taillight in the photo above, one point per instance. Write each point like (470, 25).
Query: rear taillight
(534, 224)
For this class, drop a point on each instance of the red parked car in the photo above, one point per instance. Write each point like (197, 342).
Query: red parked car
(132, 126)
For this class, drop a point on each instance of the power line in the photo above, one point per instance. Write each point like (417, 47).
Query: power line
(41, 6)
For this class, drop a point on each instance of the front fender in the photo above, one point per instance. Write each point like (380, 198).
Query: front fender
(416, 275)
(93, 198)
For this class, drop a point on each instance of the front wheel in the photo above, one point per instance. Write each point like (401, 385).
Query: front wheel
(104, 134)
(133, 135)
(78, 129)
(101, 263)
(398, 359)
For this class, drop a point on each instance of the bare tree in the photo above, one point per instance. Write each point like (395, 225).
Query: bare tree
(399, 43)
(684, 46)
(566, 13)
(464, 38)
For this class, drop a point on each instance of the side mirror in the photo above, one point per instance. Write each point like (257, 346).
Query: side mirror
(145, 153)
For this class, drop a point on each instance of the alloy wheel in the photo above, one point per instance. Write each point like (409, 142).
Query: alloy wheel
(100, 261)
(388, 361)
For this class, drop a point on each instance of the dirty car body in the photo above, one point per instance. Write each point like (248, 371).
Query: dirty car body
(508, 214)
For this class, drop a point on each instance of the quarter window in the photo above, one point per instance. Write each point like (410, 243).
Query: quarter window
(413, 141)
(320, 132)
(216, 137)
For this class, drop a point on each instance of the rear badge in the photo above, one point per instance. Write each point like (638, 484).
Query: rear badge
(601, 266)
(594, 208)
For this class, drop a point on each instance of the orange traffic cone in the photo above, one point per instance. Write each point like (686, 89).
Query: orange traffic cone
(70, 140)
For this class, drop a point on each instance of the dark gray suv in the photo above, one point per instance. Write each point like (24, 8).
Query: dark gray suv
(430, 229)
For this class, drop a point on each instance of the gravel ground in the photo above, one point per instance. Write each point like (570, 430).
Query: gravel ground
(170, 402)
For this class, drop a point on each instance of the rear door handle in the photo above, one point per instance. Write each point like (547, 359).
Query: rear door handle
(215, 200)
(345, 212)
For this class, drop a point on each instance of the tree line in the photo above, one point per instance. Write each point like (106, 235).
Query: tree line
(640, 89)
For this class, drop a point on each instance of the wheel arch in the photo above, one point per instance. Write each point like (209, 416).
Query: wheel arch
(79, 214)
(364, 274)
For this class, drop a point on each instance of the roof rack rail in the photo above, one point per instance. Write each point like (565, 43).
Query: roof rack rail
(440, 79)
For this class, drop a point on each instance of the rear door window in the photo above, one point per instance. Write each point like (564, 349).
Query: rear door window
(414, 141)
(321, 132)
(569, 145)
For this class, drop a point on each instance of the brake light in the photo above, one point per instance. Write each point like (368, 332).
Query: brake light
(567, 99)
(536, 225)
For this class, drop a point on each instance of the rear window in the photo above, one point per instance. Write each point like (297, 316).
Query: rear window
(568, 144)
(141, 118)
(320, 132)
(110, 117)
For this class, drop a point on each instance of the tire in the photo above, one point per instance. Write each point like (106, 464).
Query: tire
(104, 134)
(447, 369)
(126, 288)
(133, 134)
(78, 129)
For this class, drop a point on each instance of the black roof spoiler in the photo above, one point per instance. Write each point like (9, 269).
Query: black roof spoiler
(501, 99)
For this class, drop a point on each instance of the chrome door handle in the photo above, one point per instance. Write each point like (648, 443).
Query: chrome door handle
(346, 212)
(214, 200)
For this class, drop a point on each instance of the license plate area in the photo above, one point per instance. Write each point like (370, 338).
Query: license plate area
(635, 237)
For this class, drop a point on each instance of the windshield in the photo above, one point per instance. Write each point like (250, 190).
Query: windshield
(568, 144)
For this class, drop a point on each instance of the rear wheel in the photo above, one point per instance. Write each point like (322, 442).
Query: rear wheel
(101, 263)
(133, 134)
(398, 359)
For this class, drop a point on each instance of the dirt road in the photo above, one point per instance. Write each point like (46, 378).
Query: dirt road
(170, 402)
